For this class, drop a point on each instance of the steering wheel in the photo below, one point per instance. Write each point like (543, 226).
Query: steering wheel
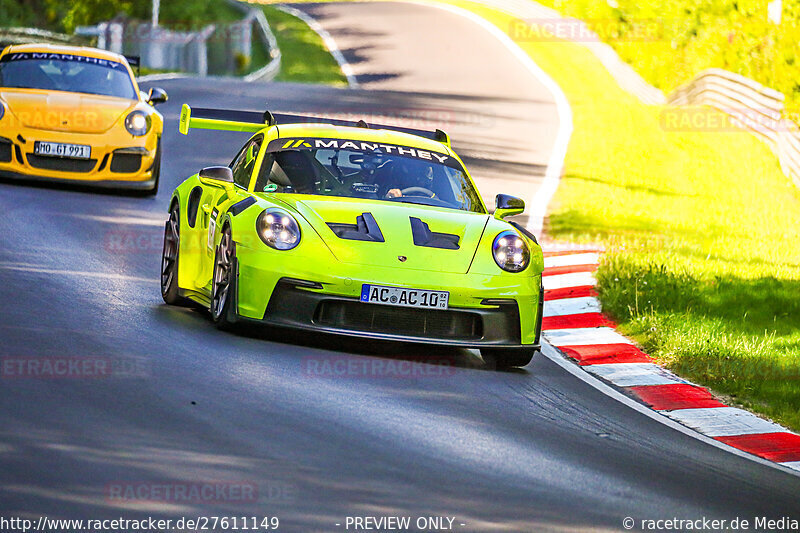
(417, 191)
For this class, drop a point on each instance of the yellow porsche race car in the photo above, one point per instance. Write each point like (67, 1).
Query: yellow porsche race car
(76, 114)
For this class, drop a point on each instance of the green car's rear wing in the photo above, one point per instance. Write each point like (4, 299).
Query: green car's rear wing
(437, 135)
(200, 118)
(253, 121)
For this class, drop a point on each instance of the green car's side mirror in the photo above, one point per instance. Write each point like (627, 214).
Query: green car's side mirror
(507, 206)
(217, 177)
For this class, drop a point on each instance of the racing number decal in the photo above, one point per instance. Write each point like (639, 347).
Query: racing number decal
(212, 228)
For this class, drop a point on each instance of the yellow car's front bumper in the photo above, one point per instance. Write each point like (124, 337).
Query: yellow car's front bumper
(117, 160)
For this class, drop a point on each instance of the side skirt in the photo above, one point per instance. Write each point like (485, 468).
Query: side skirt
(195, 296)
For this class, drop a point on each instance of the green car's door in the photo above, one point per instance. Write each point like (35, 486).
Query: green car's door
(217, 203)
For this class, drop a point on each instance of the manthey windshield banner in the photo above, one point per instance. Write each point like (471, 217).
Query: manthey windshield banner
(47, 56)
(315, 143)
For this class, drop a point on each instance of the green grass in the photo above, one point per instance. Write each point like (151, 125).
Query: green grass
(683, 37)
(304, 57)
(144, 71)
(701, 229)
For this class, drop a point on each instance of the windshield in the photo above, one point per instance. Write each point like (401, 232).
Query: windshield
(66, 72)
(355, 169)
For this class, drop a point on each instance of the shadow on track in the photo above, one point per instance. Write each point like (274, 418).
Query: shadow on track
(347, 346)
(70, 186)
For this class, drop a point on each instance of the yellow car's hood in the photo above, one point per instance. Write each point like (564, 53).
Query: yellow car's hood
(63, 111)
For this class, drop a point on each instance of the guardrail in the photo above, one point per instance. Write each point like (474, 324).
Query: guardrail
(271, 69)
(752, 106)
(161, 48)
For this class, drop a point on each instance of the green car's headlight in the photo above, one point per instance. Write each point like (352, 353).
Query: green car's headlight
(278, 229)
(138, 123)
(510, 252)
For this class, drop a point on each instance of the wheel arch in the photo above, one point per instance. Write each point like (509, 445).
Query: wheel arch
(241, 218)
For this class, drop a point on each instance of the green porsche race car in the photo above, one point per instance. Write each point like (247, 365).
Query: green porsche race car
(356, 229)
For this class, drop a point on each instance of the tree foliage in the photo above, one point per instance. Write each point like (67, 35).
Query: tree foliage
(66, 15)
(688, 36)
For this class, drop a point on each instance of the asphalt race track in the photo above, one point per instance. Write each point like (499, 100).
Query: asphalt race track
(531, 450)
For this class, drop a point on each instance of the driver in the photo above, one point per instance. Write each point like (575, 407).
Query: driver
(408, 174)
(371, 163)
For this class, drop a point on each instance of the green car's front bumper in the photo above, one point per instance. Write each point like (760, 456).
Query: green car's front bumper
(484, 311)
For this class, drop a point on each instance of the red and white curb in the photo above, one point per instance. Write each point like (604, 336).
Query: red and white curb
(573, 322)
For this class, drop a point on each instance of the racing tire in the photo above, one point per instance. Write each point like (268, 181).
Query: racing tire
(504, 358)
(169, 259)
(224, 282)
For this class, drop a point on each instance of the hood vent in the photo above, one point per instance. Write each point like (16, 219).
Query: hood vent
(365, 229)
(423, 236)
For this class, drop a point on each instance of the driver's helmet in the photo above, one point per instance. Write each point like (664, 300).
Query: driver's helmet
(409, 173)
(371, 161)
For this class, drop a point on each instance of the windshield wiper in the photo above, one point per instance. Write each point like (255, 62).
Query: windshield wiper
(434, 202)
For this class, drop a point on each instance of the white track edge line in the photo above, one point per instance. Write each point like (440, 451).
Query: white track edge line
(164, 76)
(326, 37)
(555, 165)
(794, 465)
(554, 355)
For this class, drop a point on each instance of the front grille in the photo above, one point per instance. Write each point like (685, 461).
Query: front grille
(62, 164)
(406, 321)
(5, 151)
(126, 163)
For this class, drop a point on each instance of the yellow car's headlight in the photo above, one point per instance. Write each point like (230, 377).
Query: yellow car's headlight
(138, 123)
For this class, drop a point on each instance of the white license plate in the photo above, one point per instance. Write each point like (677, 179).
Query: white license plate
(378, 294)
(75, 151)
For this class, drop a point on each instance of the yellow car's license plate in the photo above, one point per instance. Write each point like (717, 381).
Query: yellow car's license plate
(75, 151)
